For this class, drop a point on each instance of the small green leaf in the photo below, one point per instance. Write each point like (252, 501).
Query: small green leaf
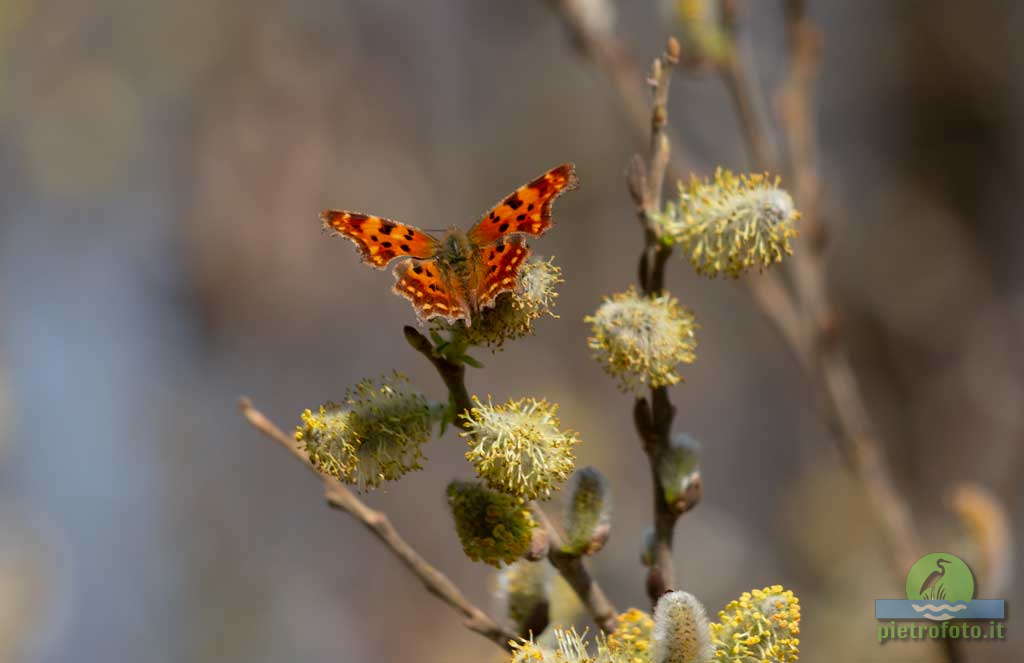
(466, 359)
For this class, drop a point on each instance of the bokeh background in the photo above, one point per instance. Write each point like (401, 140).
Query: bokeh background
(163, 165)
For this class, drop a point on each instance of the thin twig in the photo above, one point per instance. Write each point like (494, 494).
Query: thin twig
(653, 416)
(739, 79)
(645, 180)
(340, 497)
(452, 373)
(844, 406)
(574, 570)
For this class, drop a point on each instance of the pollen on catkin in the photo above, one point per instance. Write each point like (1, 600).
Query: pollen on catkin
(375, 434)
(570, 647)
(492, 527)
(641, 340)
(732, 223)
(631, 639)
(528, 651)
(514, 313)
(762, 625)
(681, 632)
(518, 448)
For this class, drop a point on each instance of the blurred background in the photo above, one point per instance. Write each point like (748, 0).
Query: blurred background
(160, 255)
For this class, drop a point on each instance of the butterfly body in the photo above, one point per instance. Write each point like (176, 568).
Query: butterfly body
(455, 260)
(456, 252)
(459, 275)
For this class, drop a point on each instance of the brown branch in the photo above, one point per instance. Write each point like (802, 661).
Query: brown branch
(340, 497)
(452, 373)
(776, 304)
(653, 417)
(843, 403)
(575, 572)
(645, 180)
(738, 77)
(655, 430)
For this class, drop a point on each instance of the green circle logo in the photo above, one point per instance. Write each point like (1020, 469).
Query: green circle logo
(940, 577)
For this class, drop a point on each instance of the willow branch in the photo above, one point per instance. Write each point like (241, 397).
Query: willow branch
(575, 573)
(809, 330)
(645, 179)
(340, 497)
(574, 570)
(653, 416)
(843, 403)
(738, 77)
(452, 373)
(610, 55)
(820, 349)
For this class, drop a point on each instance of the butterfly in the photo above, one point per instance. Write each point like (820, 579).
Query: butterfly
(461, 274)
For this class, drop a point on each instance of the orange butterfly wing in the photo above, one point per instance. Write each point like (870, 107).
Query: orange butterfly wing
(500, 264)
(380, 240)
(423, 283)
(527, 209)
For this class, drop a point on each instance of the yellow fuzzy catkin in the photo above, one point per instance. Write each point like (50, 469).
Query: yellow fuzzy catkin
(518, 448)
(491, 526)
(642, 340)
(374, 435)
(570, 647)
(731, 223)
(631, 639)
(761, 626)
